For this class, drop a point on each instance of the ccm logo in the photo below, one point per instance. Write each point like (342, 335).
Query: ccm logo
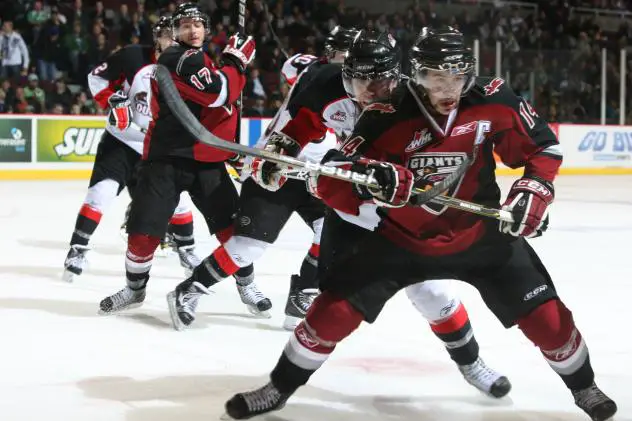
(535, 292)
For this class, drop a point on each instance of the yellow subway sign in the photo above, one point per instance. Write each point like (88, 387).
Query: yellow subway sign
(68, 140)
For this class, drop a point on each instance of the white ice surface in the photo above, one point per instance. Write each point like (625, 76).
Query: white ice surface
(60, 361)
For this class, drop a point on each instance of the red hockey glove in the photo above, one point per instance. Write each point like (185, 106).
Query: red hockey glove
(528, 201)
(121, 112)
(268, 174)
(396, 182)
(240, 50)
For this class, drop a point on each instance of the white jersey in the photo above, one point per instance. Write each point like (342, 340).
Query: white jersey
(129, 70)
(317, 112)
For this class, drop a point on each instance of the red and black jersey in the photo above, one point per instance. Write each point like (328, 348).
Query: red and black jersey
(120, 67)
(208, 91)
(404, 132)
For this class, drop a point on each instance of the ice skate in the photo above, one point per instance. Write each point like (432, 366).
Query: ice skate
(488, 381)
(75, 262)
(297, 304)
(256, 303)
(125, 299)
(260, 401)
(595, 403)
(188, 259)
(183, 301)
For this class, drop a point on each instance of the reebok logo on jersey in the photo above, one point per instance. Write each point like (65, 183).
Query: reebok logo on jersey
(381, 107)
(420, 138)
(464, 128)
(493, 87)
(338, 116)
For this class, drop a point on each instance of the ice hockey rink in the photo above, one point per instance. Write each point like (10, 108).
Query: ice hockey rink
(60, 361)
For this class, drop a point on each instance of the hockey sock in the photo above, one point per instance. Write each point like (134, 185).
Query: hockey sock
(552, 329)
(309, 268)
(455, 331)
(329, 320)
(215, 268)
(98, 198)
(138, 259)
(87, 221)
(244, 276)
(181, 227)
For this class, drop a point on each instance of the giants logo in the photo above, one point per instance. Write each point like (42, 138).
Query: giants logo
(493, 87)
(381, 107)
(432, 167)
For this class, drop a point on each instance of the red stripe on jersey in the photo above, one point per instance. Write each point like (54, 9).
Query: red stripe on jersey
(452, 324)
(90, 213)
(314, 250)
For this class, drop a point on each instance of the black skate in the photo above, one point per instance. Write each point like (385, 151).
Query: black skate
(183, 302)
(249, 404)
(595, 403)
(125, 299)
(75, 262)
(298, 302)
(488, 381)
(256, 303)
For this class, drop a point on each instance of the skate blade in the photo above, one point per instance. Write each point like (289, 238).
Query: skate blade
(258, 314)
(291, 322)
(120, 310)
(68, 276)
(173, 312)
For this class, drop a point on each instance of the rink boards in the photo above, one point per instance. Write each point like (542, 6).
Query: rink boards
(63, 147)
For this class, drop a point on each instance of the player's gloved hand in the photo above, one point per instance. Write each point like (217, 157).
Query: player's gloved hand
(528, 201)
(395, 182)
(239, 51)
(268, 174)
(237, 164)
(121, 112)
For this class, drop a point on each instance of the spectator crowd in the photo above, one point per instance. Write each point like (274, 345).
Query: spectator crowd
(550, 55)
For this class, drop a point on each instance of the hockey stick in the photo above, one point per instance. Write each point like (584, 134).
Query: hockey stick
(452, 202)
(272, 31)
(241, 27)
(192, 124)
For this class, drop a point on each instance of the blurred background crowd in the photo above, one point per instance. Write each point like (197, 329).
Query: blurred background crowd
(549, 51)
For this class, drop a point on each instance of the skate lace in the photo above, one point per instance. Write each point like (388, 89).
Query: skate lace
(188, 259)
(123, 297)
(189, 300)
(77, 257)
(250, 294)
(479, 372)
(305, 298)
(261, 399)
(589, 397)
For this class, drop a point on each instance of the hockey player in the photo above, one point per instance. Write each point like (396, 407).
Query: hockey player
(174, 161)
(264, 210)
(316, 104)
(376, 243)
(120, 149)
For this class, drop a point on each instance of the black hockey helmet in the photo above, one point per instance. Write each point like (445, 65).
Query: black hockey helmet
(188, 11)
(162, 25)
(442, 50)
(340, 39)
(372, 66)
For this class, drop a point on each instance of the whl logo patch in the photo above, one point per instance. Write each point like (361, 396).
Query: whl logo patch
(430, 168)
(338, 116)
(420, 138)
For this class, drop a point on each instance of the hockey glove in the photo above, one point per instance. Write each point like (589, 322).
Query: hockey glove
(239, 51)
(236, 163)
(395, 182)
(528, 201)
(268, 174)
(121, 112)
